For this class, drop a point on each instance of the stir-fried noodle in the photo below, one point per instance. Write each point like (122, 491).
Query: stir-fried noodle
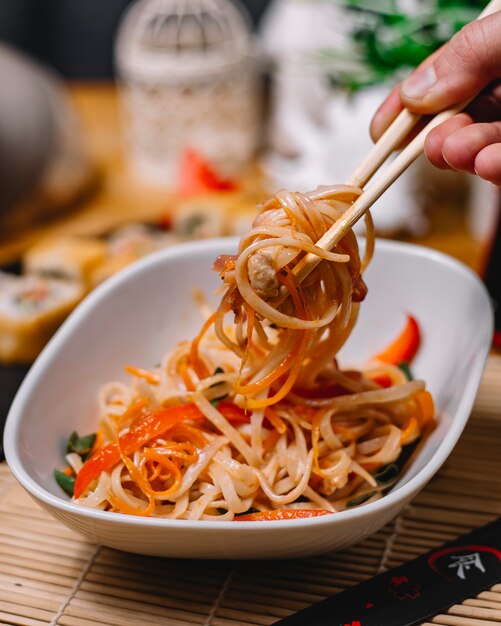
(254, 419)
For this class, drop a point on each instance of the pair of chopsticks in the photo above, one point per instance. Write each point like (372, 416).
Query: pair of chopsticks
(388, 143)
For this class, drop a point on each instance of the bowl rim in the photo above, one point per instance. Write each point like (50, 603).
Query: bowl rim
(393, 498)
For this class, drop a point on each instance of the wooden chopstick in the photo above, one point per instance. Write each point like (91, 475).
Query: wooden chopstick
(393, 137)
(364, 202)
(389, 142)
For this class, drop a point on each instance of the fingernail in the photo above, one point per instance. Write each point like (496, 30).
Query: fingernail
(419, 83)
(374, 127)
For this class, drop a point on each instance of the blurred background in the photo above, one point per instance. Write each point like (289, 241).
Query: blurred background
(74, 37)
(128, 126)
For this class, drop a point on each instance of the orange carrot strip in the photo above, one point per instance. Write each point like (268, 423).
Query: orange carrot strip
(136, 475)
(426, 406)
(410, 430)
(150, 454)
(182, 368)
(280, 514)
(185, 452)
(140, 475)
(404, 348)
(270, 378)
(122, 507)
(297, 356)
(250, 329)
(190, 433)
(276, 421)
(134, 414)
(154, 471)
(315, 436)
(293, 287)
(152, 426)
(137, 409)
(138, 372)
(195, 360)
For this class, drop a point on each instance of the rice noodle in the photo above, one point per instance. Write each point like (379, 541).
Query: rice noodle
(280, 424)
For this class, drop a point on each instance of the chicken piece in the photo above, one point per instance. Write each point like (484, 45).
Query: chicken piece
(263, 275)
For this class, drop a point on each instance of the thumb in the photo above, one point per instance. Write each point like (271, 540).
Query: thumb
(470, 61)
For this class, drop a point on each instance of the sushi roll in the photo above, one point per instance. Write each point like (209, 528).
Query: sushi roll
(202, 217)
(130, 243)
(31, 309)
(69, 258)
(214, 215)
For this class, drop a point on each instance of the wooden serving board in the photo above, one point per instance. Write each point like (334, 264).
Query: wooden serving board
(51, 576)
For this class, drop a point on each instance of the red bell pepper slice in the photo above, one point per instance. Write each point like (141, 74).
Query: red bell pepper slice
(404, 347)
(383, 380)
(233, 413)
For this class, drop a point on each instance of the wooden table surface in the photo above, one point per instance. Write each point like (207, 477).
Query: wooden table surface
(121, 197)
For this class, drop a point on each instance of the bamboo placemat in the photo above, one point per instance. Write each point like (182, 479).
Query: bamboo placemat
(49, 575)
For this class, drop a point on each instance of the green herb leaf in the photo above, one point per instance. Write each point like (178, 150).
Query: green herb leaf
(220, 510)
(67, 483)
(81, 445)
(406, 369)
(387, 473)
(387, 39)
(360, 499)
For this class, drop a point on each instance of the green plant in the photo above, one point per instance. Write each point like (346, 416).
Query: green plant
(390, 36)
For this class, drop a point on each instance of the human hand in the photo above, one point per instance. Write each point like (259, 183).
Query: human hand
(469, 65)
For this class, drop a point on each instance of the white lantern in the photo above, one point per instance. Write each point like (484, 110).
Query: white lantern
(187, 80)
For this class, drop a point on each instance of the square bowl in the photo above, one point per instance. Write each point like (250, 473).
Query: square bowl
(141, 313)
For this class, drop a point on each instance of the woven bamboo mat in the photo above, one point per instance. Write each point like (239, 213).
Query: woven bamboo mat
(49, 575)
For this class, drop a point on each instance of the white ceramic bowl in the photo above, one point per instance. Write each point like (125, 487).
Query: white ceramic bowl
(141, 313)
